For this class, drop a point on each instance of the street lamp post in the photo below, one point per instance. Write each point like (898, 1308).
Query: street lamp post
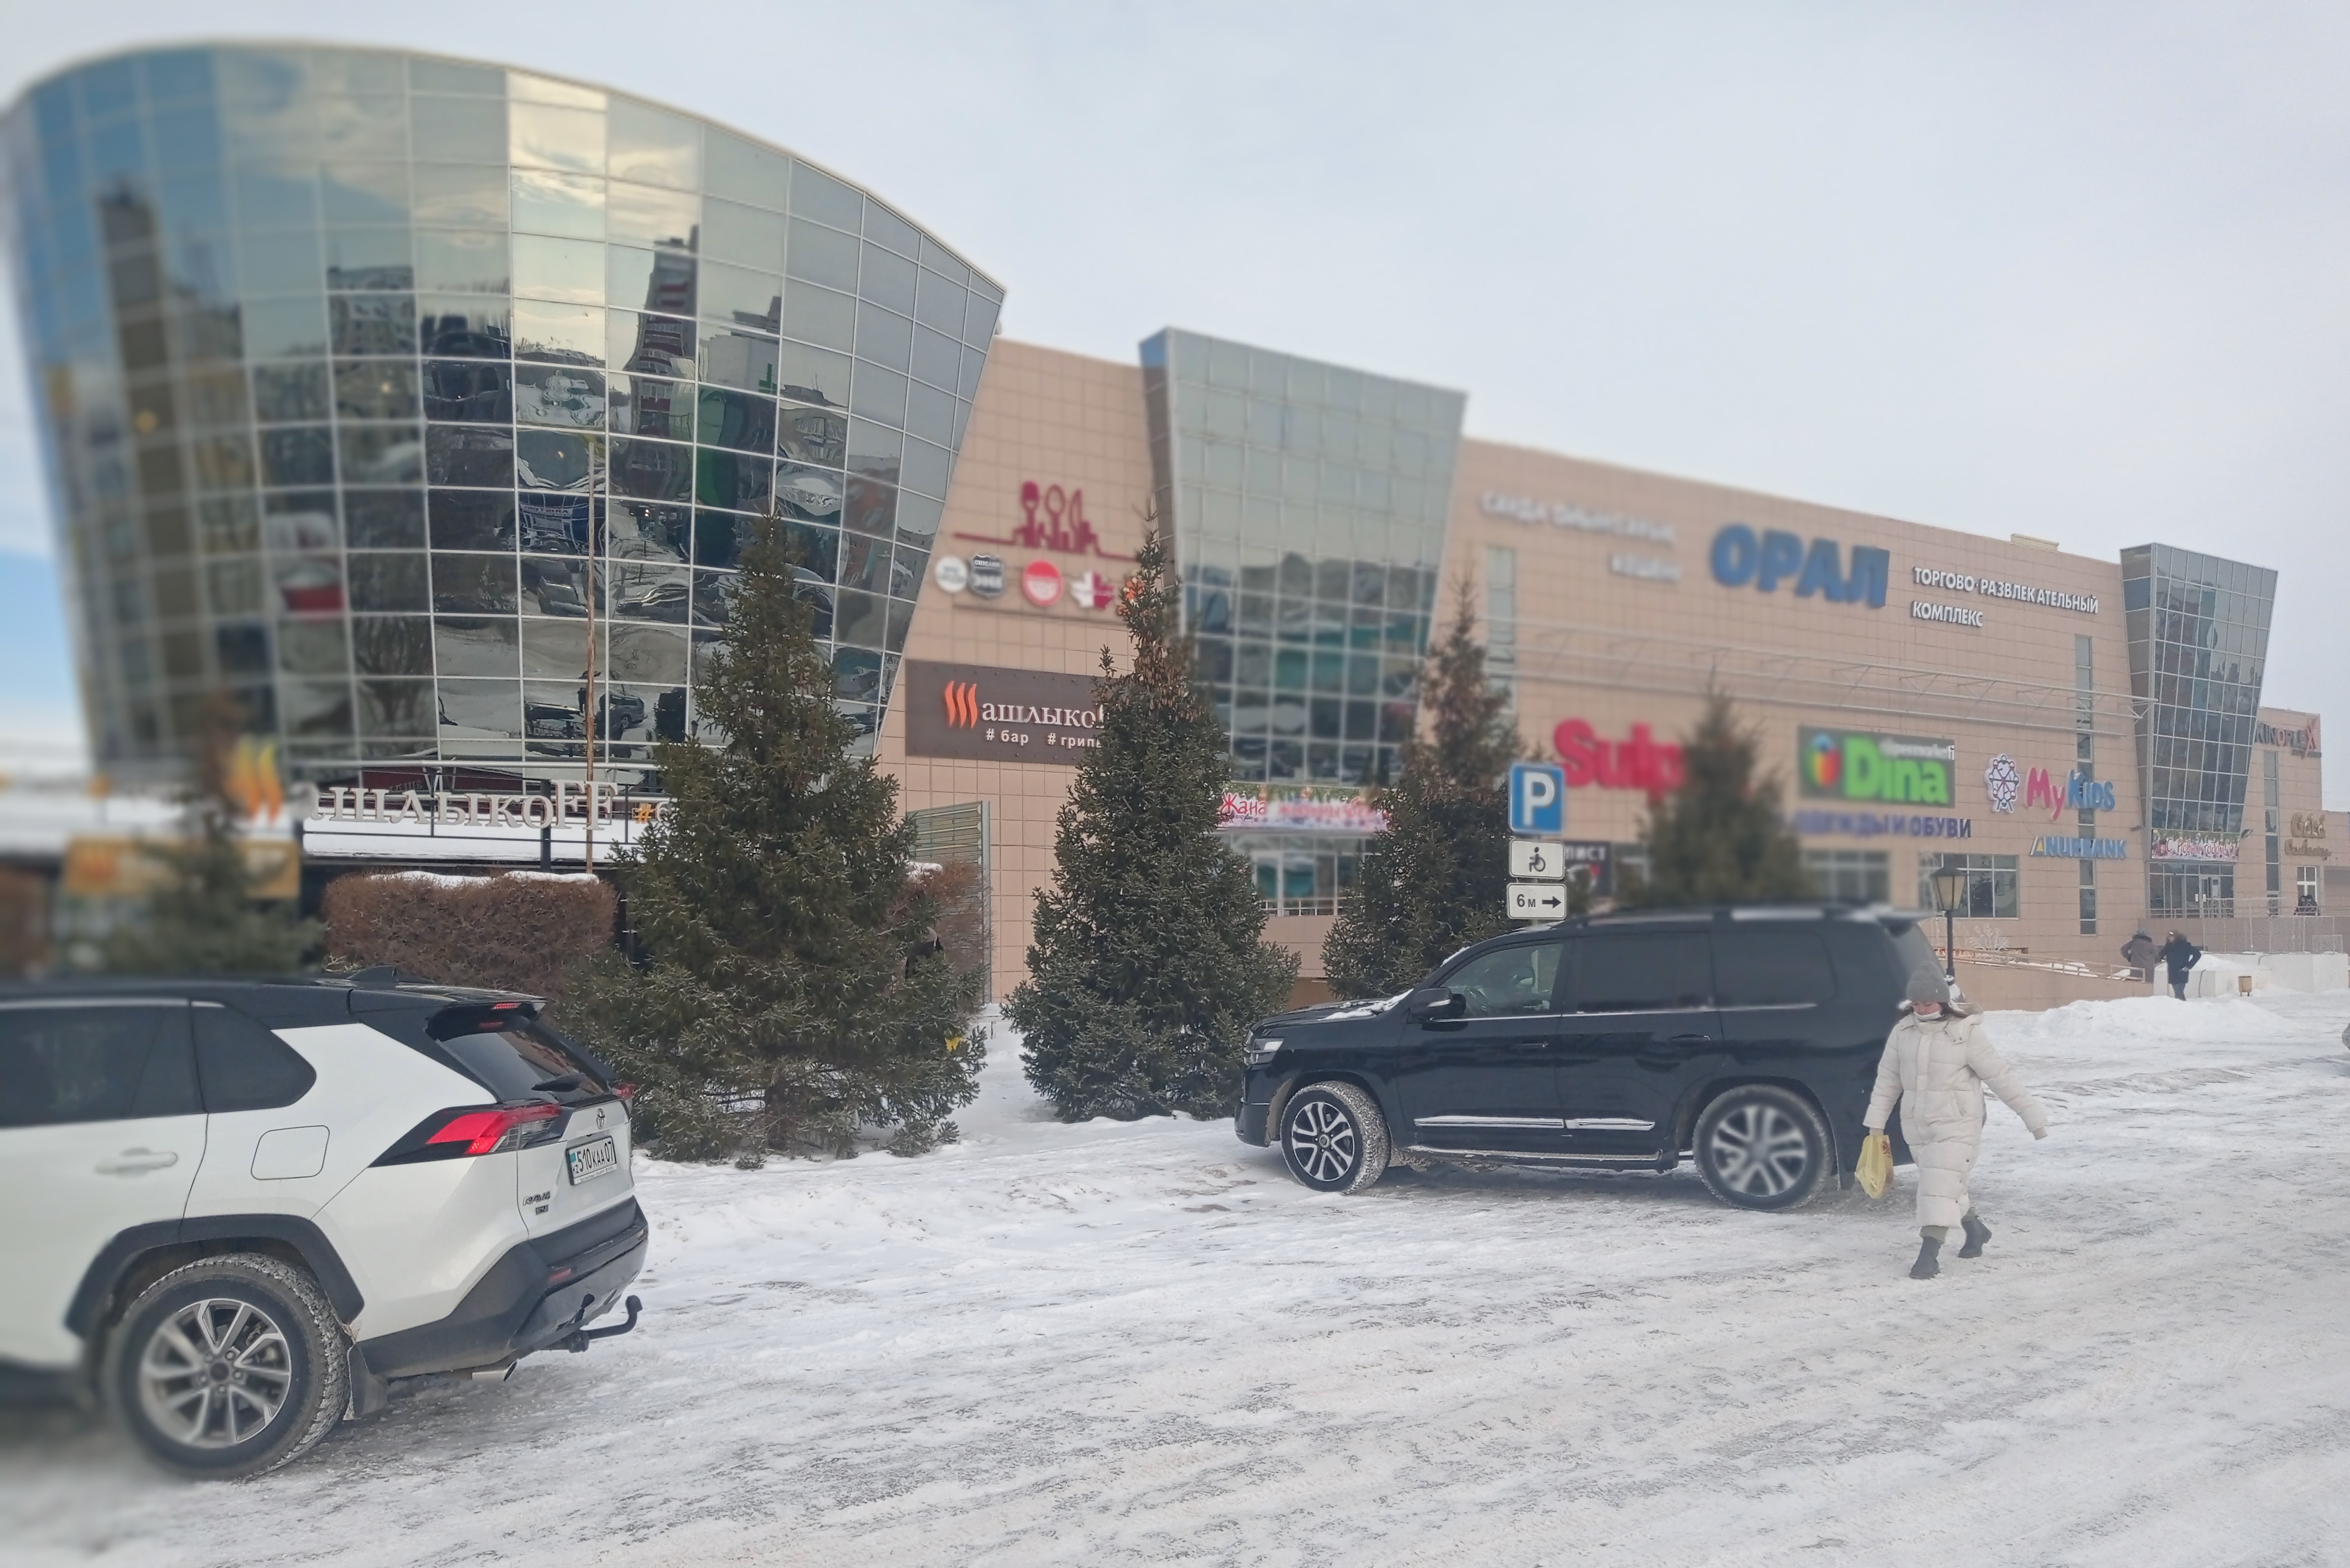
(1949, 885)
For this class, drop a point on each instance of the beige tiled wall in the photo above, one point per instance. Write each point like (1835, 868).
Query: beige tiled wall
(1053, 418)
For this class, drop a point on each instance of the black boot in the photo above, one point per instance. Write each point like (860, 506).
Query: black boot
(1927, 1267)
(1977, 1234)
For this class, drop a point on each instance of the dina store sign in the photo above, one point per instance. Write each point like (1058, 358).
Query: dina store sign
(982, 713)
(1774, 559)
(2004, 782)
(1905, 770)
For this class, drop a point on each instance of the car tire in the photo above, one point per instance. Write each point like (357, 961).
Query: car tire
(1762, 1147)
(228, 1368)
(1333, 1137)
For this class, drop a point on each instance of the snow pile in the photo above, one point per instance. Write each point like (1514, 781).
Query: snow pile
(1120, 1343)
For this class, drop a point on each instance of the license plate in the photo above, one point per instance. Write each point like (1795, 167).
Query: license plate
(595, 1158)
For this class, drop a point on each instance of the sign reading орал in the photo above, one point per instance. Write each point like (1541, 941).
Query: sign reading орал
(979, 712)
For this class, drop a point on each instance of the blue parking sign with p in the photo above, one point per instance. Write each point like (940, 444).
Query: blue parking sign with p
(1537, 798)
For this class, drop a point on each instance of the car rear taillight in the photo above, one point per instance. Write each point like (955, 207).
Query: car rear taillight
(509, 1127)
(627, 1093)
(477, 1129)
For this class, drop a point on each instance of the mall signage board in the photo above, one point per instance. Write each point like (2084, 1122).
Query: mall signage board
(1854, 765)
(2006, 782)
(2194, 847)
(512, 827)
(1766, 561)
(1285, 808)
(1639, 761)
(979, 713)
(2081, 848)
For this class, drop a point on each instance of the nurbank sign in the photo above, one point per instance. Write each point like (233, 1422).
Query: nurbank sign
(1740, 557)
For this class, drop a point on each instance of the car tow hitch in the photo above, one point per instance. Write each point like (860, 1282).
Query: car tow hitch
(578, 1339)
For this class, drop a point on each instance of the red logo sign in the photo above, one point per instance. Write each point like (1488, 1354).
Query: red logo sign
(1639, 763)
(1055, 520)
(1091, 591)
(962, 704)
(1041, 581)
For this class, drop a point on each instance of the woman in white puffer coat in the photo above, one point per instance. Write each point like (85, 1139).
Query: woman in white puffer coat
(1935, 1063)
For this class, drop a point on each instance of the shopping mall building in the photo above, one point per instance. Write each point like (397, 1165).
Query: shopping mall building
(425, 405)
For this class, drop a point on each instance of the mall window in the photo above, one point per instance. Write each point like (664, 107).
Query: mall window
(1300, 873)
(2198, 632)
(1992, 890)
(1308, 503)
(2272, 817)
(1851, 875)
(2304, 889)
(411, 301)
(1502, 620)
(2175, 890)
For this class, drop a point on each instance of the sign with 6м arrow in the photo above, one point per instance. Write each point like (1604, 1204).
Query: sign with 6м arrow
(1537, 901)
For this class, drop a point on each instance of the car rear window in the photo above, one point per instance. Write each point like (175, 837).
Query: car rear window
(514, 1059)
(1758, 966)
(245, 1067)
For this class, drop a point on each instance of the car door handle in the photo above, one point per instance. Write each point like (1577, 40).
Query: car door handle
(131, 1161)
(1689, 1039)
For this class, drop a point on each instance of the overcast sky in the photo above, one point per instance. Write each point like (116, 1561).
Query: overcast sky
(2082, 272)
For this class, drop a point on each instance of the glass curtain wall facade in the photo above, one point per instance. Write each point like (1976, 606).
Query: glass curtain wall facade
(360, 372)
(2199, 635)
(1308, 504)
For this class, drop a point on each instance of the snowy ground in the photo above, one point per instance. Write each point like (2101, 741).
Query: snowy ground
(1117, 1343)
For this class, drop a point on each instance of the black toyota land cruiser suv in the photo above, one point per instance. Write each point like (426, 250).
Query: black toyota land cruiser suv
(1746, 1038)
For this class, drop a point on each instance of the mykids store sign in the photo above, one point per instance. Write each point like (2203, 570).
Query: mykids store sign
(1773, 558)
(1841, 764)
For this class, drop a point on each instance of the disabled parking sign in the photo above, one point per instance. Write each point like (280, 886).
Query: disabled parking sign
(1537, 798)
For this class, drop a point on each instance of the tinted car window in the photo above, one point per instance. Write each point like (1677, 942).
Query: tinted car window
(1641, 972)
(1760, 966)
(513, 1061)
(94, 1063)
(243, 1066)
(1512, 981)
(1914, 950)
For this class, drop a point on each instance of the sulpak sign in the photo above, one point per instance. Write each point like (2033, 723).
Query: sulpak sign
(1637, 762)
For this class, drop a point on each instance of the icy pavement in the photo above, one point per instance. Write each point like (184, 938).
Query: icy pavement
(1117, 1343)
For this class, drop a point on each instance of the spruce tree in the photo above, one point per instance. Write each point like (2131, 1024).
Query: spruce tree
(1149, 959)
(206, 914)
(1719, 838)
(787, 955)
(1434, 879)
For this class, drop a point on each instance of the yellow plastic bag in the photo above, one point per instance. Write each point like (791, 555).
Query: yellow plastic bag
(1875, 1171)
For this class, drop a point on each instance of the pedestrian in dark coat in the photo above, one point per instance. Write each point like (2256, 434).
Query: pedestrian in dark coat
(2179, 955)
(2139, 953)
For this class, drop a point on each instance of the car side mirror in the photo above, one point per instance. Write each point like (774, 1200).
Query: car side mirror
(1434, 1001)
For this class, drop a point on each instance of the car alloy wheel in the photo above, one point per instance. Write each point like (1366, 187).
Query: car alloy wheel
(229, 1366)
(1334, 1138)
(1761, 1148)
(214, 1373)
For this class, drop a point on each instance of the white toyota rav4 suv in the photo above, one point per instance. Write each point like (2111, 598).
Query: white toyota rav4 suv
(242, 1207)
